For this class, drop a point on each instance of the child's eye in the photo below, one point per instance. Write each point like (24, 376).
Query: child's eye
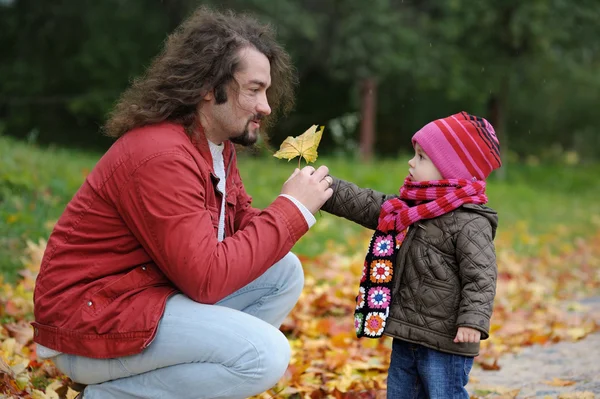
(421, 156)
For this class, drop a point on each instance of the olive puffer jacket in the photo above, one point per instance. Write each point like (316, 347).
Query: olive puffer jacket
(445, 274)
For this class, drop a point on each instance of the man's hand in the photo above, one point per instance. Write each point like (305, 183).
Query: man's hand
(466, 334)
(309, 186)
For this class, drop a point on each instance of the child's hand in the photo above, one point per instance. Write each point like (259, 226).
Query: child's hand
(466, 334)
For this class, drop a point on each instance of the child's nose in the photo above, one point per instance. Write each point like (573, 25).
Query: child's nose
(410, 162)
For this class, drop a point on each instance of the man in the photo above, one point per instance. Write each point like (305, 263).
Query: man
(160, 280)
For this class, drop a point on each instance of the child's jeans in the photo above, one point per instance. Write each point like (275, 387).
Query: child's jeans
(419, 372)
(233, 349)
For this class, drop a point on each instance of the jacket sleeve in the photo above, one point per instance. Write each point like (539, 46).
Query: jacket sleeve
(476, 256)
(359, 205)
(164, 206)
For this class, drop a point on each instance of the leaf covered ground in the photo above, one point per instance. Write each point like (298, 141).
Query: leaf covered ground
(535, 304)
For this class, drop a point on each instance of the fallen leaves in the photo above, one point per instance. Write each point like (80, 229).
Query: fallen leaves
(21, 331)
(535, 305)
(577, 395)
(304, 146)
(497, 392)
(532, 300)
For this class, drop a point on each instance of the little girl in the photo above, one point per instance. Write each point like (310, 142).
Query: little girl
(429, 278)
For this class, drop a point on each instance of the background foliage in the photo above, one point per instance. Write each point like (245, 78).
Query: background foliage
(530, 67)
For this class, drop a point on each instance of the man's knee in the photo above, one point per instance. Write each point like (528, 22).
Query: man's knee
(275, 359)
(294, 273)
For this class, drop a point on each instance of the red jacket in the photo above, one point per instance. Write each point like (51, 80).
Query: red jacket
(142, 226)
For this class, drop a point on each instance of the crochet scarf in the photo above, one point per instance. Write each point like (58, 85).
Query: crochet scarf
(417, 201)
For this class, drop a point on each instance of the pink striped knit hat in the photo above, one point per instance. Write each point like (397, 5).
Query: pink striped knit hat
(461, 146)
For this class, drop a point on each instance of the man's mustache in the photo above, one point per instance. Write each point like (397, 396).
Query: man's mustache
(258, 117)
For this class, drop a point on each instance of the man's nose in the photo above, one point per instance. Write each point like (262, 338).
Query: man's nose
(263, 106)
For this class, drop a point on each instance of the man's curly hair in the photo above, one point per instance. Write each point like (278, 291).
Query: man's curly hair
(201, 55)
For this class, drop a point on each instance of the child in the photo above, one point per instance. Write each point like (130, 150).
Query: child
(429, 278)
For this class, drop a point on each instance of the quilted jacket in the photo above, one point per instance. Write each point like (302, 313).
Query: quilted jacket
(445, 274)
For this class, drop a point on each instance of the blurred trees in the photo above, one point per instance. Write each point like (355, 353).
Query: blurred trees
(384, 66)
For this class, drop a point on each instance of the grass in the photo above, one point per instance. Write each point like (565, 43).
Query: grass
(536, 200)
(36, 184)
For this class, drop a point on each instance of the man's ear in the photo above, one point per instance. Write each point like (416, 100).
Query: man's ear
(209, 96)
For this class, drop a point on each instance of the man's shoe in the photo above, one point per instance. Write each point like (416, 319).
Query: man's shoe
(79, 388)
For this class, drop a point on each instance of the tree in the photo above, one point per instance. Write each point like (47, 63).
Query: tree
(65, 63)
(484, 49)
(368, 43)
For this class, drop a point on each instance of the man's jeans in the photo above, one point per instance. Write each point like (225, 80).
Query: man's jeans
(233, 349)
(419, 372)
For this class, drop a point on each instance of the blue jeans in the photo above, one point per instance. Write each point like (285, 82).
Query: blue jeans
(419, 372)
(233, 349)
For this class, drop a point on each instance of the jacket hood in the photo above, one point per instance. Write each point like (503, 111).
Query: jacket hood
(487, 212)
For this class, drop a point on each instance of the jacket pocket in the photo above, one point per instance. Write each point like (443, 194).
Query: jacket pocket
(138, 277)
(439, 299)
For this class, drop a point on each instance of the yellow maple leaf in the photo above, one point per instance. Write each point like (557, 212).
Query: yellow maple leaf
(304, 145)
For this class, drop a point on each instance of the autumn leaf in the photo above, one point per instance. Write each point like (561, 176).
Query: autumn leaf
(304, 145)
(493, 366)
(557, 382)
(498, 392)
(577, 395)
(21, 331)
(5, 368)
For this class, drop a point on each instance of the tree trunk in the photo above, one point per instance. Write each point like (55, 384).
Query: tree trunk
(496, 109)
(368, 106)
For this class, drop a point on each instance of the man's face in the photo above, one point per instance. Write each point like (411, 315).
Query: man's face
(239, 118)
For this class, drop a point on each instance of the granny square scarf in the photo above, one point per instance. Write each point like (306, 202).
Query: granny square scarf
(417, 201)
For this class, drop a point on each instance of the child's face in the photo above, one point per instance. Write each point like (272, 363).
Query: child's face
(421, 167)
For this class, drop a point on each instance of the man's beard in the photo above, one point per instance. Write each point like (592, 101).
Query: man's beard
(245, 139)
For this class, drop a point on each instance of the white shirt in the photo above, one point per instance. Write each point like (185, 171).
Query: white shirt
(219, 166)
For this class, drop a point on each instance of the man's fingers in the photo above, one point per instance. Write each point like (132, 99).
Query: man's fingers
(309, 170)
(310, 186)
(320, 173)
(296, 171)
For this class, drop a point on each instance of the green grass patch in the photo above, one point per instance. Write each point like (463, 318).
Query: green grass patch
(36, 184)
(534, 200)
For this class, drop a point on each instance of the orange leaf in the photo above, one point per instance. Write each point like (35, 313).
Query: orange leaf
(493, 366)
(11, 309)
